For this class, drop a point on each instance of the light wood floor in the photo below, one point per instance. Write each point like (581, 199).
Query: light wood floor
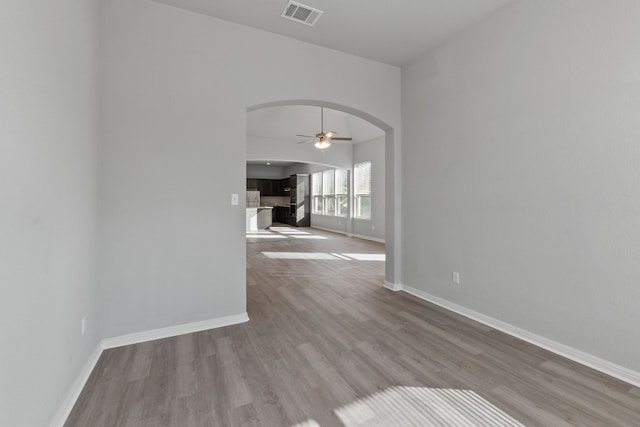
(324, 333)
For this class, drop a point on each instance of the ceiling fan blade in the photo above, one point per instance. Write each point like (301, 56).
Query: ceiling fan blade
(306, 136)
(306, 141)
(341, 139)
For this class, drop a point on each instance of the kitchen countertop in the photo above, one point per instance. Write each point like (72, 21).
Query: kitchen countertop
(259, 217)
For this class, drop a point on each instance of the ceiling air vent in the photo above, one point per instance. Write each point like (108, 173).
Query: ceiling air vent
(301, 13)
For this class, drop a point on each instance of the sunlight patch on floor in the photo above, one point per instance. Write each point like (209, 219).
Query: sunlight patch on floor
(324, 256)
(426, 407)
(421, 407)
(287, 230)
(282, 233)
(300, 255)
(280, 228)
(366, 257)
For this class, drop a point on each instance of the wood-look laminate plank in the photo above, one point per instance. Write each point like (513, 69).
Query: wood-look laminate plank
(528, 411)
(232, 373)
(324, 333)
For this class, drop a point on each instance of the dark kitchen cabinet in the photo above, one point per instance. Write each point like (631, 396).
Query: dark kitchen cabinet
(275, 187)
(296, 187)
(285, 187)
(281, 214)
(253, 184)
(266, 187)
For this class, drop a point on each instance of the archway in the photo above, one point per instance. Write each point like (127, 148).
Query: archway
(392, 181)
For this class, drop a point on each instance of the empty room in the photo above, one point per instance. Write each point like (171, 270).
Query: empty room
(472, 261)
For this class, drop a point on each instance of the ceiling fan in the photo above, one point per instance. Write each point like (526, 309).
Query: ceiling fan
(322, 140)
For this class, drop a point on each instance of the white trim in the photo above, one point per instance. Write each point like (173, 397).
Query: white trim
(395, 287)
(358, 236)
(76, 388)
(331, 230)
(605, 366)
(362, 236)
(172, 331)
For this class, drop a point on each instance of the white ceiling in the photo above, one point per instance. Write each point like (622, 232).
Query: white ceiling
(285, 122)
(395, 32)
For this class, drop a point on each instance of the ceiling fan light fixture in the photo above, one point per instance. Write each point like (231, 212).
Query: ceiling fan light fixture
(322, 140)
(322, 144)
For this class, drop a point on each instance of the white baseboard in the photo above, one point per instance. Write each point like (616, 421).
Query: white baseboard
(359, 236)
(331, 230)
(362, 236)
(392, 286)
(187, 328)
(172, 331)
(609, 368)
(76, 388)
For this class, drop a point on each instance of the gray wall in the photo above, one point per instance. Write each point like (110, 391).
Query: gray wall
(172, 246)
(48, 139)
(265, 172)
(520, 170)
(308, 168)
(372, 151)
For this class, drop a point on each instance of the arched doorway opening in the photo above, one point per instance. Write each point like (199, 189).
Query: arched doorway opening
(391, 184)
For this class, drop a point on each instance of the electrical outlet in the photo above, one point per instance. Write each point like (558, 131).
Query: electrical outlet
(234, 199)
(456, 278)
(83, 325)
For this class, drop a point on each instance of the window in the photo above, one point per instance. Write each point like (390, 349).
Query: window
(316, 193)
(342, 192)
(330, 192)
(362, 190)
